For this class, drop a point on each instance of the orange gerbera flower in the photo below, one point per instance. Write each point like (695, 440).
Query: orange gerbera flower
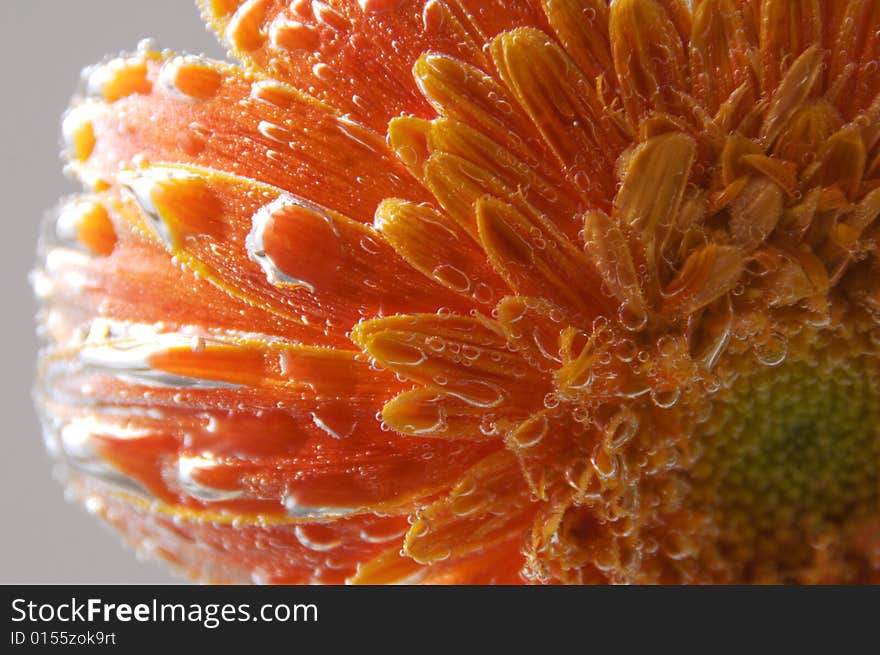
(480, 292)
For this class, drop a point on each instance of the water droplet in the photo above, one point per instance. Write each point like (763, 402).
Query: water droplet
(479, 393)
(322, 71)
(178, 204)
(622, 427)
(189, 469)
(531, 433)
(334, 426)
(317, 537)
(274, 227)
(772, 351)
(665, 398)
(452, 277)
(79, 135)
(632, 317)
(299, 510)
(118, 79)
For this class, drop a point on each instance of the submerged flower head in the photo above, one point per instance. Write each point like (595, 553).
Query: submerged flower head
(479, 292)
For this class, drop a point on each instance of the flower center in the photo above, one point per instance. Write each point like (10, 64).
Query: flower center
(789, 452)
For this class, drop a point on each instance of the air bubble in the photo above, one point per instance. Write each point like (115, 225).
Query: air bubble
(772, 351)
(665, 398)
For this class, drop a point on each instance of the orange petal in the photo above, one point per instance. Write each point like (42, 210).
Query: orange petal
(456, 355)
(324, 454)
(649, 55)
(408, 137)
(390, 567)
(85, 222)
(854, 43)
(210, 547)
(790, 93)
(436, 246)
(472, 97)
(497, 564)
(563, 106)
(458, 185)
(338, 50)
(864, 213)
(533, 327)
(706, 275)
(787, 30)
(732, 165)
(608, 248)
(541, 185)
(486, 506)
(212, 371)
(783, 173)
(755, 212)
(582, 28)
(653, 187)
(719, 53)
(255, 128)
(279, 252)
(535, 260)
(841, 161)
(137, 281)
(428, 413)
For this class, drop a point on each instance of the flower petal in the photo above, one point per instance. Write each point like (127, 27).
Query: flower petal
(535, 260)
(564, 107)
(255, 128)
(356, 55)
(582, 28)
(486, 506)
(210, 547)
(787, 30)
(755, 212)
(460, 356)
(720, 52)
(854, 43)
(789, 95)
(436, 246)
(241, 425)
(841, 161)
(649, 54)
(429, 413)
(497, 564)
(472, 97)
(137, 281)
(707, 274)
(608, 248)
(653, 187)
(279, 252)
(542, 185)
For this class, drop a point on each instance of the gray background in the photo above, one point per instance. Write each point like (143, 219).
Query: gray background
(45, 43)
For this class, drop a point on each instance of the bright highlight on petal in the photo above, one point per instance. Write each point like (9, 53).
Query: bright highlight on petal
(541, 291)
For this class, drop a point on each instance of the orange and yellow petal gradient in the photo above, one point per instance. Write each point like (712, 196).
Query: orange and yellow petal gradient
(448, 291)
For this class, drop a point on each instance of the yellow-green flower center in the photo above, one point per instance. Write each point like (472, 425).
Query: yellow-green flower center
(789, 452)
